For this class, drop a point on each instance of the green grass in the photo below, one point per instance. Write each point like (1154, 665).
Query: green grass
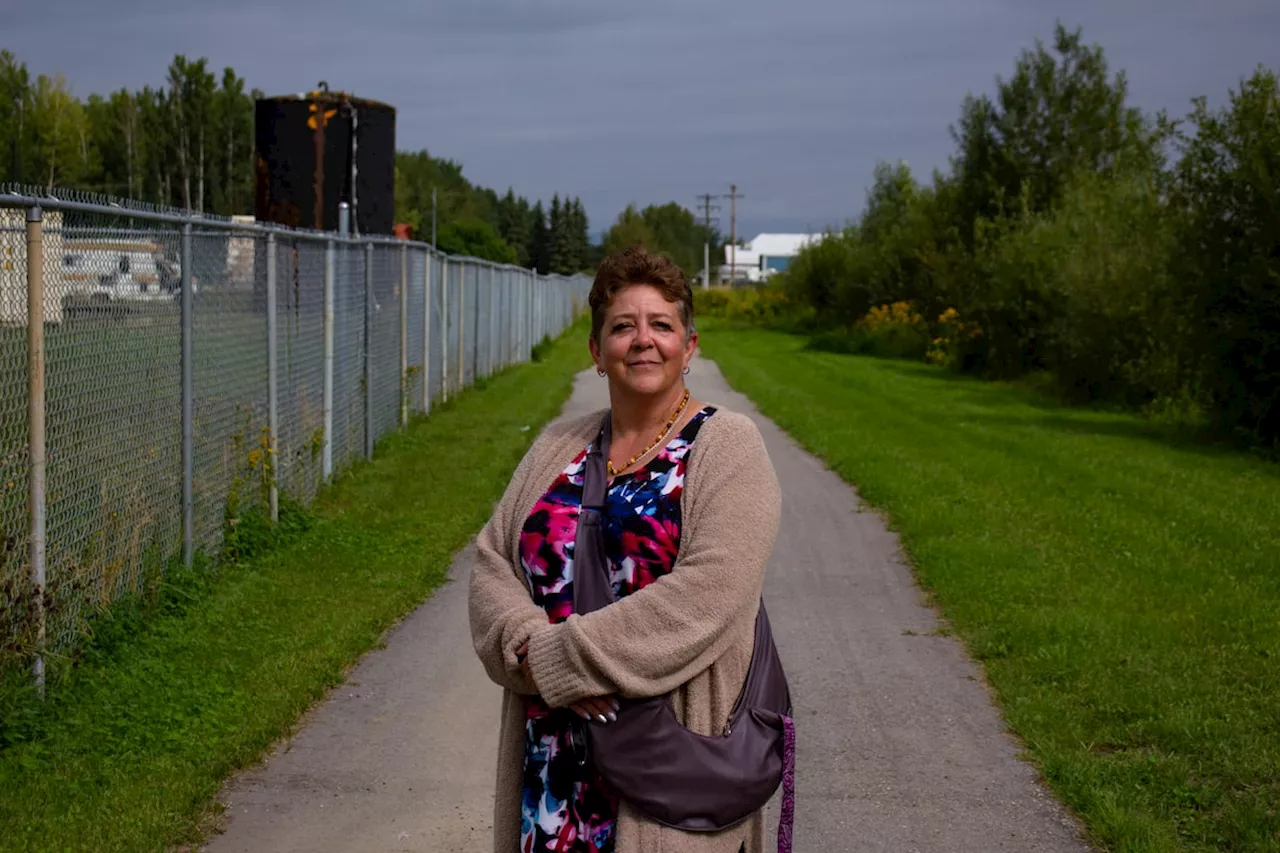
(1121, 587)
(131, 747)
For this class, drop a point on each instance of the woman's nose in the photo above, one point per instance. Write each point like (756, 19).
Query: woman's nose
(644, 337)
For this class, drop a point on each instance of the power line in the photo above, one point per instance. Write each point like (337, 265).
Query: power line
(707, 207)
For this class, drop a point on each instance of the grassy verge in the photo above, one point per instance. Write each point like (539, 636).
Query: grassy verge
(130, 748)
(1122, 589)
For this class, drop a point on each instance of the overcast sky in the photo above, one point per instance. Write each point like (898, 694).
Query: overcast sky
(658, 100)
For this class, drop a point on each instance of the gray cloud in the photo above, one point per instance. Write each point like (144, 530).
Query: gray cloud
(649, 102)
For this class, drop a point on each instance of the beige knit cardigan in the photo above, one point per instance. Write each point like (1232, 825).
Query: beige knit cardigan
(690, 632)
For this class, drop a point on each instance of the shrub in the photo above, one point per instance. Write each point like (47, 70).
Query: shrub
(1227, 185)
(953, 339)
(824, 277)
(887, 331)
(769, 306)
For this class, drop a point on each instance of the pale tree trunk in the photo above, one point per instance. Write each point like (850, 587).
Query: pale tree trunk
(17, 143)
(184, 157)
(84, 150)
(200, 180)
(231, 162)
(53, 147)
(128, 142)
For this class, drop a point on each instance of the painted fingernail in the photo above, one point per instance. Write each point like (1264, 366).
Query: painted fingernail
(584, 715)
(601, 718)
(614, 703)
(613, 718)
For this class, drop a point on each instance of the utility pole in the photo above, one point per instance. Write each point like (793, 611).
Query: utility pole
(433, 217)
(733, 197)
(707, 207)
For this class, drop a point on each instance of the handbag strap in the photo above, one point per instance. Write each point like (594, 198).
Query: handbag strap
(594, 476)
(787, 813)
(592, 588)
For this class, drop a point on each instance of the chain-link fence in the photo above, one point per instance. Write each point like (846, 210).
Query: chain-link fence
(188, 368)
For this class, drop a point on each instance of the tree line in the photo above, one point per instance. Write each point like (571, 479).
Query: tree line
(189, 143)
(1129, 258)
(668, 229)
(474, 220)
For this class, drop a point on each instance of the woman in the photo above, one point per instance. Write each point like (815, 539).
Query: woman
(692, 510)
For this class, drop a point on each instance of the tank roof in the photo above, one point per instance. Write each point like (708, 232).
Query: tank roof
(324, 95)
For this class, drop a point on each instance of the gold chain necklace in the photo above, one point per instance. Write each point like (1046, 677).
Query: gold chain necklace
(666, 429)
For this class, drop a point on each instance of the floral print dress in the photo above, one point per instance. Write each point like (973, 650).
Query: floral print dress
(566, 808)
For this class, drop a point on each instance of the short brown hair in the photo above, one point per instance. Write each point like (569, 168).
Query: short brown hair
(638, 266)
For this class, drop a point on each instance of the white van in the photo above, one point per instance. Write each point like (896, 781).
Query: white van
(103, 272)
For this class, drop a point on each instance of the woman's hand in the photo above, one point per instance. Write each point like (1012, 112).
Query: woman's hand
(601, 709)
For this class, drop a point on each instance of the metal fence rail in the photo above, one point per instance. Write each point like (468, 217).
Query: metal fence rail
(161, 372)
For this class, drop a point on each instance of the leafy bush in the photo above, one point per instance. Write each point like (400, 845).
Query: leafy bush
(887, 331)
(770, 306)
(824, 277)
(1114, 329)
(1227, 186)
(953, 339)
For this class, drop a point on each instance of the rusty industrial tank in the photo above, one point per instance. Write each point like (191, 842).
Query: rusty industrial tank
(321, 148)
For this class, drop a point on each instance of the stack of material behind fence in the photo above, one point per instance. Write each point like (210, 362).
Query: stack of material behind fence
(194, 367)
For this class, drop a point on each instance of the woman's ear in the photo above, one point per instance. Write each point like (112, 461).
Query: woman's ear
(594, 346)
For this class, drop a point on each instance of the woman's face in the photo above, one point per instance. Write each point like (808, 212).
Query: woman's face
(643, 347)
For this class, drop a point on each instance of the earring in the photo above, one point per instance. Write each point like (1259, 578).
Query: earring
(686, 371)
(599, 372)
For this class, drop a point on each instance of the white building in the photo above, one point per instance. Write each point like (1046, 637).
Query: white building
(763, 256)
(13, 266)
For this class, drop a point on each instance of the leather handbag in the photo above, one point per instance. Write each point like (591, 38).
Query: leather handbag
(669, 773)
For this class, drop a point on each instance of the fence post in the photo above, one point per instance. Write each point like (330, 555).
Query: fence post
(368, 351)
(188, 405)
(426, 332)
(492, 353)
(404, 336)
(444, 328)
(462, 317)
(36, 435)
(327, 455)
(273, 386)
(475, 334)
(490, 307)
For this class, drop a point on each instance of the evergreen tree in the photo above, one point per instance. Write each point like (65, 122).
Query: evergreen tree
(581, 239)
(539, 239)
(514, 226)
(558, 248)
